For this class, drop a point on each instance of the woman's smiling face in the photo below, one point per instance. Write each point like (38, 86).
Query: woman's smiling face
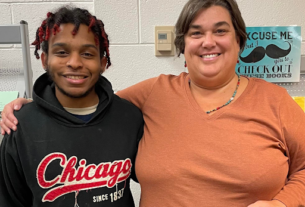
(211, 46)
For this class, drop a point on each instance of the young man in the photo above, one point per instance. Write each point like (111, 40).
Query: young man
(76, 143)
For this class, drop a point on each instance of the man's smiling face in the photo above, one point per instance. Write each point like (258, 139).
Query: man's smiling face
(73, 61)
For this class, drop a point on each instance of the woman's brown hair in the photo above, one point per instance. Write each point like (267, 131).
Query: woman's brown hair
(191, 9)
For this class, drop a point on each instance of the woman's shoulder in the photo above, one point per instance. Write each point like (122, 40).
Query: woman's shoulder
(266, 92)
(161, 80)
(171, 78)
(267, 95)
(265, 87)
(139, 93)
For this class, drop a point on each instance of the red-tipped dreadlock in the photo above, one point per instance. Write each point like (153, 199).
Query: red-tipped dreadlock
(106, 41)
(92, 22)
(75, 16)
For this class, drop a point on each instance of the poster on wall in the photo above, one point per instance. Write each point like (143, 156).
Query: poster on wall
(272, 53)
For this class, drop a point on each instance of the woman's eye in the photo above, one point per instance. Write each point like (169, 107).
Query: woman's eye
(220, 31)
(196, 33)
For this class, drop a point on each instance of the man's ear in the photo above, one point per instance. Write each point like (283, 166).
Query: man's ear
(103, 64)
(44, 60)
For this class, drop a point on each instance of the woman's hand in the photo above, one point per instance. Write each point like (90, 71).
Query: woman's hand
(273, 203)
(8, 120)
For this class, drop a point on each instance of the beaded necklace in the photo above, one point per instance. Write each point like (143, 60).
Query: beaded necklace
(230, 100)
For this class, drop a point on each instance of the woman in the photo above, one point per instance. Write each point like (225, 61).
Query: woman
(212, 137)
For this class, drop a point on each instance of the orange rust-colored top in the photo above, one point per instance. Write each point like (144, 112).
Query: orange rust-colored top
(253, 149)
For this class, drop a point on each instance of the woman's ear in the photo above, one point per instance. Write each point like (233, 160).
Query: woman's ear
(238, 42)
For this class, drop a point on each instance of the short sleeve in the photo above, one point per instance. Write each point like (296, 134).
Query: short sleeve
(138, 93)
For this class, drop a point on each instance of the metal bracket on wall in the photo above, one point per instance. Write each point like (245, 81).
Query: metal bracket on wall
(302, 64)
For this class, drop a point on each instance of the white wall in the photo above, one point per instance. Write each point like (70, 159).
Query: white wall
(130, 26)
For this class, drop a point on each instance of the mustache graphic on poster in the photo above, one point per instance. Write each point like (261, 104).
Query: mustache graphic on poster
(272, 51)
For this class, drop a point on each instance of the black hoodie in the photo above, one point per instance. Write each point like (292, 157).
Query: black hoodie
(56, 159)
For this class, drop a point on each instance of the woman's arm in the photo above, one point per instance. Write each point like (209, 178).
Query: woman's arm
(292, 120)
(136, 94)
(273, 203)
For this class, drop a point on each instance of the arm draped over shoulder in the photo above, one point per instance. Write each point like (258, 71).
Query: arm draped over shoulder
(138, 93)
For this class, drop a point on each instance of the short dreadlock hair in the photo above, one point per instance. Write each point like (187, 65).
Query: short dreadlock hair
(76, 16)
